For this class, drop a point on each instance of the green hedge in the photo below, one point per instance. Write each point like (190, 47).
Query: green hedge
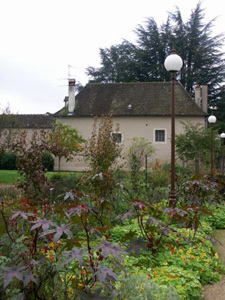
(48, 161)
(7, 161)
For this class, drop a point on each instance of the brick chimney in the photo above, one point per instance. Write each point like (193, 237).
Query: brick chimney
(71, 98)
(201, 97)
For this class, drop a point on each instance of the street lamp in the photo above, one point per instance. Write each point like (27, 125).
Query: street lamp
(173, 63)
(212, 121)
(222, 139)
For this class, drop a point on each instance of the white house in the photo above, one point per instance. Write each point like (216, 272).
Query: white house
(142, 109)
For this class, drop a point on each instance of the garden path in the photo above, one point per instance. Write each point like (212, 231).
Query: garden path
(216, 291)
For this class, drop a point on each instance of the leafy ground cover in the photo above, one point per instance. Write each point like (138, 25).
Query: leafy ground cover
(95, 241)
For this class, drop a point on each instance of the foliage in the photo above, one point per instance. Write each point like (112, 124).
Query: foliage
(182, 173)
(29, 161)
(102, 151)
(219, 112)
(47, 243)
(200, 190)
(141, 288)
(7, 161)
(194, 145)
(136, 155)
(65, 141)
(144, 61)
(158, 178)
(30, 155)
(74, 245)
(48, 161)
(180, 265)
(7, 127)
(217, 219)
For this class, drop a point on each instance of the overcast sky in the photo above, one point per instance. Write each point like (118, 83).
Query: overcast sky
(40, 38)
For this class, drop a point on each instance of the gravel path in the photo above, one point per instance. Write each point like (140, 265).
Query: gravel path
(216, 291)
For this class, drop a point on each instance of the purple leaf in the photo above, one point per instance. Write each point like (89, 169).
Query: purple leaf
(125, 215)
(29, 276)
(77, 210)
(108, 248)
(69, 195)
(45, 224)
(22, 214)
(105, 273)
(10, 273)
(75, 254)
(136, 245)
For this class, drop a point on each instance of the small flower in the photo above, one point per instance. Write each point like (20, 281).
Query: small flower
(51, 257)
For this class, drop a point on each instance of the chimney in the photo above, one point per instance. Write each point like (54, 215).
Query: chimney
(71, 92)
(201, 97)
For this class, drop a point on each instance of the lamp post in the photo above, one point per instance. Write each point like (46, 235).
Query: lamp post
(222, 139)
(212, 121)
(173, 63)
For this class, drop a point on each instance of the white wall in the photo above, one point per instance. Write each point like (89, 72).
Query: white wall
(130, 127)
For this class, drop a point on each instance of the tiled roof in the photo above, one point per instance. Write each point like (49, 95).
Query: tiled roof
(137, 99)
(26, 121)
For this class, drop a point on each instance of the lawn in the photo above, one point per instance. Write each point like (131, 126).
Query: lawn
(11, 176)
(8, 176)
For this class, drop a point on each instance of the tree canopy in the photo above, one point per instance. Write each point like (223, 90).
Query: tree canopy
(144, 60)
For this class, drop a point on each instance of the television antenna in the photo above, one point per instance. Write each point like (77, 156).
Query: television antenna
(70, 76)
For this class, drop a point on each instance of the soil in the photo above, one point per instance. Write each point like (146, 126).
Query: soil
(216, 291)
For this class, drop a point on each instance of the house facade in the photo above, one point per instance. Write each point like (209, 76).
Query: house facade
(142, 109)
(10, 124)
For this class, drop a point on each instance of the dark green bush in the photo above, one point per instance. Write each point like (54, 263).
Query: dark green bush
(182, 173)
(48, 161)
(158, 178)
(7, 161)
(63, 182)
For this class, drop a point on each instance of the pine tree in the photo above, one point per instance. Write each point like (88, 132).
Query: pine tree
(144, 61)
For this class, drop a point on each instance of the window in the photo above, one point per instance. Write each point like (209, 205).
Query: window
(117, 137)
(160, 135)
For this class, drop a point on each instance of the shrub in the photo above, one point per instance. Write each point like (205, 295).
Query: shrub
(48, 161)
(62, 182)
(102, 150)
(136, 155)
(7, 161)
(141, 288)
(158, 178)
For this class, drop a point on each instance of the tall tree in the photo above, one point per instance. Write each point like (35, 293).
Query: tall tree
(144, 61)
(203, 60)
(119, 64)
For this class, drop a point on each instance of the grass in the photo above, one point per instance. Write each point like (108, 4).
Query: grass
(11, 176)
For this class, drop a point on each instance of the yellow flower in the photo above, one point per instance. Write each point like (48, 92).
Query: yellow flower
(216, 255)
(165, 263)
(203, 255)
(141, 288)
